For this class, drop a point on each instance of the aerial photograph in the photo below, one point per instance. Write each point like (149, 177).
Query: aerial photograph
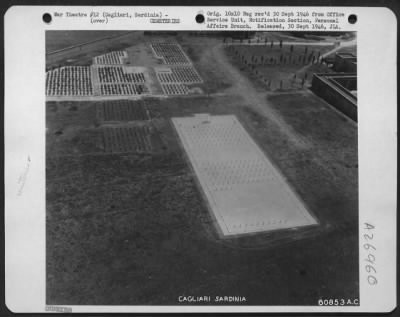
(201, 168)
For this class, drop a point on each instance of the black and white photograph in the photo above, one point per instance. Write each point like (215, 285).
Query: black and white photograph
(201, 168)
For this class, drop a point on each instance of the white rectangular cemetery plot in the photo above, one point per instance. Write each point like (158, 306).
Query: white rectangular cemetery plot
(244, 190)
(112, 58)
(69, 81)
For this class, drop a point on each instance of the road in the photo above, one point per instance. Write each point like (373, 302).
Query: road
(252, 97)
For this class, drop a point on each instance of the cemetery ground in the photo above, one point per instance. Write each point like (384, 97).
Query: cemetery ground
(126, 220)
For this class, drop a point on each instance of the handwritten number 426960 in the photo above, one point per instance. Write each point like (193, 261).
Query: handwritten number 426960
(370, 266)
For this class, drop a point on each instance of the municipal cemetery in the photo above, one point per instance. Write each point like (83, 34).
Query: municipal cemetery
(126, 139)
(193, 164)
(113, 58)
(120, 110)
(110, 75)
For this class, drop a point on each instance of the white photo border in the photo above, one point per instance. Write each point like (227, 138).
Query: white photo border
(25, 153)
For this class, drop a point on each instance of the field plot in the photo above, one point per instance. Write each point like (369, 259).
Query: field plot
(121, 89)
(245, 191)
(117, 74)
(120, 110)
(171, 53)
(175, 89)
(179, 74)
(174, 80)
(112, 58)
(69, 81)
(126, 139)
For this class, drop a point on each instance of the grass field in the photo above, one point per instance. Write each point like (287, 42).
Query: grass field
(101, 43)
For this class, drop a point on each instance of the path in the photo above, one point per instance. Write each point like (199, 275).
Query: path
(253, 98)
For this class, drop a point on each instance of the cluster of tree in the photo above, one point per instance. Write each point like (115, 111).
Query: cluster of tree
(306, 57)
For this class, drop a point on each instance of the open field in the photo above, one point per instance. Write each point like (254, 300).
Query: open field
(104, 42)
(128, 222)
(59, 40)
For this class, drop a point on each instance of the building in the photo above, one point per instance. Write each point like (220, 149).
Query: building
(339, 89)
(345, 62)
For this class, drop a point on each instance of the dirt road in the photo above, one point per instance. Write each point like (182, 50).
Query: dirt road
(252, 97)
